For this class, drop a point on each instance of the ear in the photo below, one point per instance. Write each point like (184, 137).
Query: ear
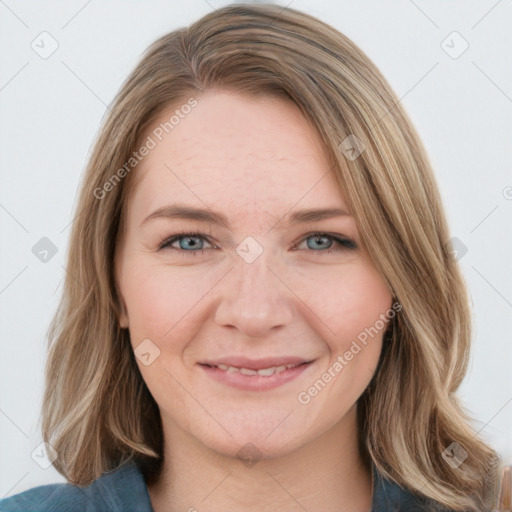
(123, 321)
(123, 315)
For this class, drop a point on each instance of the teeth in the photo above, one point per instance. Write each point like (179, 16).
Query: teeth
(265, 372)
(246, 371)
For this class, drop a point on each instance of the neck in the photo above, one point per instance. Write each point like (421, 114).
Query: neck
(326, 474)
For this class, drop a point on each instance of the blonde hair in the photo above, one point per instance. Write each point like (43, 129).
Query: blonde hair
(97, 411)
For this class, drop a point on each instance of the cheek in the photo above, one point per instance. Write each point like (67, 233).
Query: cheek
(364, 315)
(347, 300)
(354, 339)
(149, 302)
(160, 300)
(352, 306)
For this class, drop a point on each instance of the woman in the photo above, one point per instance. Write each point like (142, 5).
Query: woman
(209, 352)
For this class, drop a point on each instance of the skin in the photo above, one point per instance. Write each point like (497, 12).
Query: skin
(255, 160)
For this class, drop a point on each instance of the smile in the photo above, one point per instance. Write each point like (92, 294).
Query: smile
(257, 378)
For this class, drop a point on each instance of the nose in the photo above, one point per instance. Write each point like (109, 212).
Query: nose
(255, 298)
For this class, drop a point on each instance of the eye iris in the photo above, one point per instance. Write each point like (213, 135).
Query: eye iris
(317, 238)
(193, 244)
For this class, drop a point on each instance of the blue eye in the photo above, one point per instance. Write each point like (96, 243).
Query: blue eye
(192, 243)
(320, 239)
(187, 243)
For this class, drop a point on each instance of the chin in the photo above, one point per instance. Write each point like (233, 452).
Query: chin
(249, 450)
(252, 442)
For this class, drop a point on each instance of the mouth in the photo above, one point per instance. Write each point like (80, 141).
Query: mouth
(255, 375)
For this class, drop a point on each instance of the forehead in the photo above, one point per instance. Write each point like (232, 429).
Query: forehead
(235, 151)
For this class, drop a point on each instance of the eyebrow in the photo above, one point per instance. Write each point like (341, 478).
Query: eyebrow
(180, 211)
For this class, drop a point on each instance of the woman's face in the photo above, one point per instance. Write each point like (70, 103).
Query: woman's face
(248, 284)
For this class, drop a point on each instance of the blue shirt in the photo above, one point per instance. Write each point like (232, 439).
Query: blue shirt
(125, 490)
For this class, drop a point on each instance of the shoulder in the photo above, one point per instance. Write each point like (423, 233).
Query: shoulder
(121, 490)
(389, 496)
(47, 498)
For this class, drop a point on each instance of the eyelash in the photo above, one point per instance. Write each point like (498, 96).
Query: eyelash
(343, 243)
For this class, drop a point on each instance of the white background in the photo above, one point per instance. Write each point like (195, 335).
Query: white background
(50, 111)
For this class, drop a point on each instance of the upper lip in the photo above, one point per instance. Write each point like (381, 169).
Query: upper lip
(256, 364)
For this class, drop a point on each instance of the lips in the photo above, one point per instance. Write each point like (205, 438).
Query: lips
(255, 374)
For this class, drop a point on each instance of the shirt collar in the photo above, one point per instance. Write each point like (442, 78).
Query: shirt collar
(131, 493)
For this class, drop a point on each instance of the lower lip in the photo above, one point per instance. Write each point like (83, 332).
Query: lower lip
(255, 382)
